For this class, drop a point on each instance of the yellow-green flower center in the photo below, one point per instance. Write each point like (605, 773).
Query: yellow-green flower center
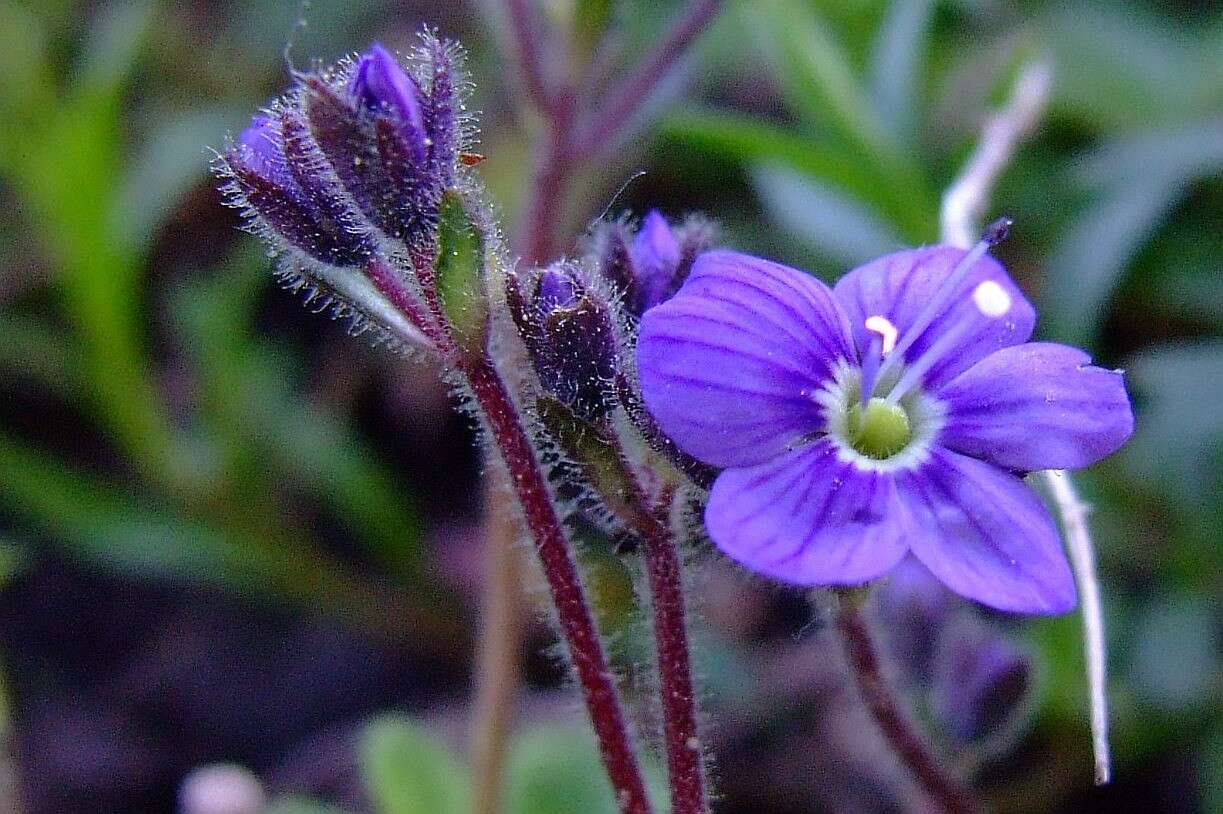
(880, 430)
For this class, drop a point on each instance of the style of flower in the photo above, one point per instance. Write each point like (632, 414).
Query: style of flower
(893, 415)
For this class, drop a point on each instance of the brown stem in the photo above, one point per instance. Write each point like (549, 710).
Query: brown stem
(616, 111)
(500, 636)
(685, 763)
(895, 724)
(568, 596)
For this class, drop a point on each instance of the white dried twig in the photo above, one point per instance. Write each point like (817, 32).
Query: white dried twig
(965, 200)
(964, 203)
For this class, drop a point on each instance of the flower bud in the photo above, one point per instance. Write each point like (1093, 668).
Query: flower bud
(649, 267)
(982, 683)
(383, 87)
(569, 331)
(267, 183)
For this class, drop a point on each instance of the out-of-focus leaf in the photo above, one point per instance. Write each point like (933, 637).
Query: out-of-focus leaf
(1139, 179)
(409, 771)
(35, 348)
(113, 45)
(1175, 662)
(1119, 67)
(142, 538)
(590, 21)
(827, 220)
(250, 391)
(26, 86)
(814, 73)
(896, 63)
(556, 770)
(1179, 443)
(752, 141)
(163, 169)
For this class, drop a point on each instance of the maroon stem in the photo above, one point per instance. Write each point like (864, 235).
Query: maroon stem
(574, 613)
(524, 25)
(617, 110)
(685, 764)
(895, 724)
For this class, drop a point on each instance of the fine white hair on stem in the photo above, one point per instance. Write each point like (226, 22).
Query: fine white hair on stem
(965, 200)
(1073, 516)
(964, 203)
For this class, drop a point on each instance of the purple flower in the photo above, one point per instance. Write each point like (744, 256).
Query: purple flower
(891, 415)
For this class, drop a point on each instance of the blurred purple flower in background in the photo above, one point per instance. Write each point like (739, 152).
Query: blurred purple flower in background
(892, 415)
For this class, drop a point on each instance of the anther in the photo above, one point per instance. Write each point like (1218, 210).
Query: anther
(997, 231)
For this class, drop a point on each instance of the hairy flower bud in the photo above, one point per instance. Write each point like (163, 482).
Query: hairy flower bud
(649, 267)
(569, 331)
(347, 176)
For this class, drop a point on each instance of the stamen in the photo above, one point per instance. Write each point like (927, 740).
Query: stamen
(994, 234)
(881, 345)
(991, 299)
(882, 326)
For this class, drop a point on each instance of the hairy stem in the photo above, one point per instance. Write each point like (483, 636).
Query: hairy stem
(568, 596)
(893, 722)
(685, 762)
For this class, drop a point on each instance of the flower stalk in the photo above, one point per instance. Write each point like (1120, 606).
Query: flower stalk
(893, 722)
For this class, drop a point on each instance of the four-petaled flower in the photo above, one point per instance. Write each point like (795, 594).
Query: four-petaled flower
(891, 415)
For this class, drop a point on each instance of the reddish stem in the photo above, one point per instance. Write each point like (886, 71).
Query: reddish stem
(891, 719)
(611, 116)
(574, 613)
(685, 763)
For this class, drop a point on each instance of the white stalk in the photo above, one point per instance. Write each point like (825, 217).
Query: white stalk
(964, 203)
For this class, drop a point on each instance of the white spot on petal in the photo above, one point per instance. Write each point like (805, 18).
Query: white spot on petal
(991, 299)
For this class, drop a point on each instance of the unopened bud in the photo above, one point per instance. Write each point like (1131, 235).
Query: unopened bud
(569, 330)
(982, 683)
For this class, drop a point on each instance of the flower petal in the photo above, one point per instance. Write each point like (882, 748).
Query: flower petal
(809, 518)
(729, 365)
(1037, 406)
(986, 535)
(899, 286)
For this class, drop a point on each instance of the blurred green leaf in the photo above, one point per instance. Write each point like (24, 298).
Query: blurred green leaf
(251, 392)
(556, 770)
(1174, 660)
(752, 141)
(168, 164)
(141, 537)
(828, 221)
(815, 75)
(1118, 66)
(114, 44)
(34, 347)
(409, 771)
(1178, 448)
(591, 19)
(896, 66)
(1136, 180)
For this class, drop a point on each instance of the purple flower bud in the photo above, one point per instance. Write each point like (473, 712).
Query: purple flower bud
(267, 181)
(383, 86)
(982, 683)
(556, 289)
(568, 328)
(649, 267)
